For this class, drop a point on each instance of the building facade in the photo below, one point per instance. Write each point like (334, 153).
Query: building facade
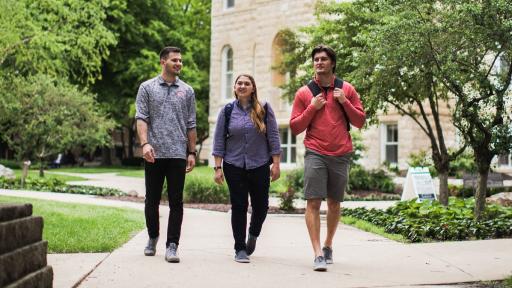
(245, 39)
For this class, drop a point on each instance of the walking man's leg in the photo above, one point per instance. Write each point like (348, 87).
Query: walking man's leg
(154, 178)
(313, 224)
(333, 218)
(175, 174)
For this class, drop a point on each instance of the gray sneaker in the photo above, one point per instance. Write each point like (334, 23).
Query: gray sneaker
(251, 244)
(241, 257)
(171, 253)
(150, 248)
(319, 264)
(327, 254)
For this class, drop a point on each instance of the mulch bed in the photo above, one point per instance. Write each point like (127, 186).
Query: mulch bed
(206, 206)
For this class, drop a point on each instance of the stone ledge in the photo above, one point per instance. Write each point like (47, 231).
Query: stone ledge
(20, 232)
(42, 278)
(10, 212)
(18, 263)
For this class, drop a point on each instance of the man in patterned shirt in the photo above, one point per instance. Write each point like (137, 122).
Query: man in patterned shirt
(166, 126)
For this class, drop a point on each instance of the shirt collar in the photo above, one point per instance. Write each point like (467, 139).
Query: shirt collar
(318, 83)
(162, 82)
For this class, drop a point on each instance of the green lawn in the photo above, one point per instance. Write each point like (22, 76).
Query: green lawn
(73, 228)
(369, 227)
(35, 174)
(99, 169)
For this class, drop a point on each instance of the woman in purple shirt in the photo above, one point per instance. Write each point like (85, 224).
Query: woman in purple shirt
(244, 150)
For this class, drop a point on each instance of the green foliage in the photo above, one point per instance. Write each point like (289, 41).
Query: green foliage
(294, 187)
(464, 163)
(46, 116)
(204, 190)
(52, 184)
(66, 39)
(143, 28)
(427, 221)
(78, 228)
(372, 180)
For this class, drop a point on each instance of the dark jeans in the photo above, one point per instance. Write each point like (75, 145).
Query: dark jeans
(242, 183)
(174, 171)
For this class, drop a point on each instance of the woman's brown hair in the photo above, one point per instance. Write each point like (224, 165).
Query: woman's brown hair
(257, 111)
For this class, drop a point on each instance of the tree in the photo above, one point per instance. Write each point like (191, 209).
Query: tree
(143, 28)
(409, 54)
(64, 39)
(44, 117)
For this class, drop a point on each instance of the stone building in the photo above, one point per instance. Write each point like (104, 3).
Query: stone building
(245, 39)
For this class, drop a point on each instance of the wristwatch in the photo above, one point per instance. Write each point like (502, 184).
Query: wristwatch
(217, 168)
(192, 153)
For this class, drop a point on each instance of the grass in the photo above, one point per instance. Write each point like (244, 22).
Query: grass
(73, 228)
(99, 169)
(369, 227)
(35, 174)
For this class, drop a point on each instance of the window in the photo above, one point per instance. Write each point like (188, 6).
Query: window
(389, 152)
(505, 160)
(227, 73)
(229, 4)
(288, 146)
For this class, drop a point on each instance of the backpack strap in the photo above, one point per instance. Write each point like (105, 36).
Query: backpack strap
(338, 83)
(227, 117)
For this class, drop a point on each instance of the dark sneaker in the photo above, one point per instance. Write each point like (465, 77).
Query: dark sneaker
(150, 248)
(319, 264)
(171, 253)
(327, 254)
(251, 244)
(241, 257)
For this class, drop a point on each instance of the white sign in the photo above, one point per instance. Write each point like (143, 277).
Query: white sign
(418, 184)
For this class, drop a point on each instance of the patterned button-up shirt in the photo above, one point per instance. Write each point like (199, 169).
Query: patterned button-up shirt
(170, 111)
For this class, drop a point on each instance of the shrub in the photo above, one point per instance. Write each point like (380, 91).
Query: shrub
(12, 164)
(51, 184)
(204, 190)
(426, 221)
(466, 192)
(373, 180)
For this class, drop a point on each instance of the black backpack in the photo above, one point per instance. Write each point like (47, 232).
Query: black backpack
(338, 83)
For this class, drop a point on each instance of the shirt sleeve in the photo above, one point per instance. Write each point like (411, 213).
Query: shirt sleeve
(354, 109)
(302, 113)
(273, 132)
(142, 105)
(191, 119)
(219, 143)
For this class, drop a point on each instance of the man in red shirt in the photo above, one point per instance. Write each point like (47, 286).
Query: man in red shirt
(326, 118)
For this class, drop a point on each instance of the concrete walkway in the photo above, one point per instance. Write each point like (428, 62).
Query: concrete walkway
(283, 257)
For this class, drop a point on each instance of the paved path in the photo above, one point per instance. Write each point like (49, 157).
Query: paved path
(283, 257)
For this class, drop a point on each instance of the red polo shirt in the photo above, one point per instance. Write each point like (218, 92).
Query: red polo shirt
(326, 128)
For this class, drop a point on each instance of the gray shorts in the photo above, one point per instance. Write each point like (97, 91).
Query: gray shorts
(325, 176)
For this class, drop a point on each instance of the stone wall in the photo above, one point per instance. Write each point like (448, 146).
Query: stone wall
(22, 250)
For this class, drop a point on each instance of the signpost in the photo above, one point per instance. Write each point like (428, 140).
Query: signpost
(418, 184)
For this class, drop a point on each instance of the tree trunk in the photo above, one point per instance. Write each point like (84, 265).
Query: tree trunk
(131, 139)
(106, 158)
(481, 193)
(24, 173)
(443, 187)
(41, 167)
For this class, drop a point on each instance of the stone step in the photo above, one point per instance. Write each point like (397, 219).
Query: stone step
(20, 262)
(11, 211)
(42, 278)
(20, 232)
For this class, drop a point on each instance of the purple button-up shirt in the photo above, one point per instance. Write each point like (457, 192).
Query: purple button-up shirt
(245, 147)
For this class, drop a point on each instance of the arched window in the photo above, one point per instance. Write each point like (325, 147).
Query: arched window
(227, 73)
(229, 4)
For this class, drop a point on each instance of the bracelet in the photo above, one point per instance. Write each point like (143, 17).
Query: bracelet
(217, 168)
(142, 145)
(192, 153)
